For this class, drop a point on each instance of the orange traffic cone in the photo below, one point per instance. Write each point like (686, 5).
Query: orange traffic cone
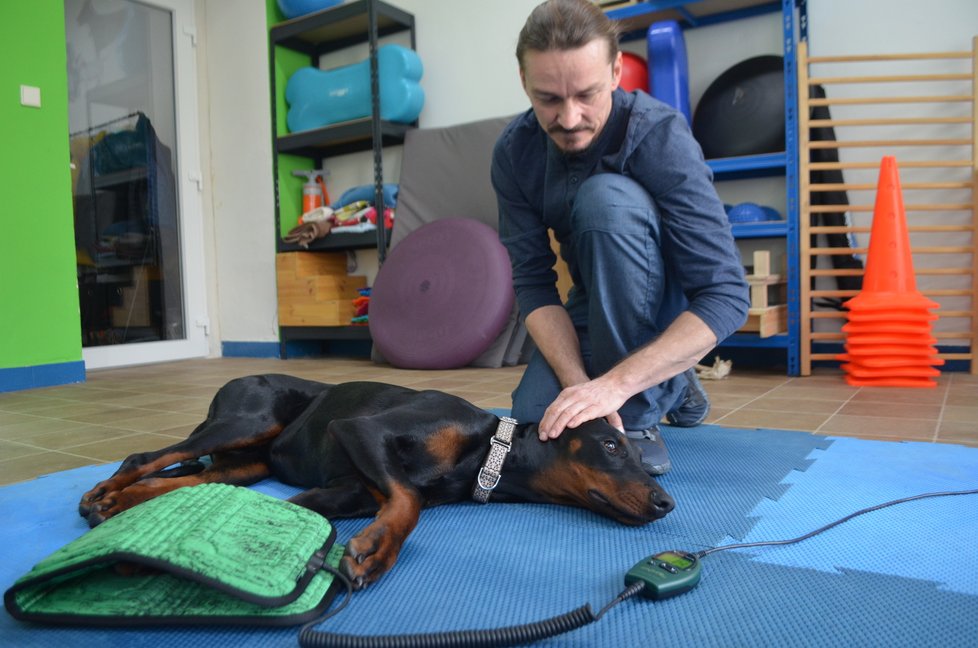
(888, 333)
(889, 282)
(897, 315)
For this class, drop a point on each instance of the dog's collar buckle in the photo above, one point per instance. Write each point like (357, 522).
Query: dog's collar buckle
(492, 467)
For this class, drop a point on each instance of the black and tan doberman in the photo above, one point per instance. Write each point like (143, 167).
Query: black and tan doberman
(371, 449)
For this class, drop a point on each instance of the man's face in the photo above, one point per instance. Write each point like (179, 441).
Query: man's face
(570, 91)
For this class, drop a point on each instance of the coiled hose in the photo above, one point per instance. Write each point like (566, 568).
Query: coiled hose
(488, 638)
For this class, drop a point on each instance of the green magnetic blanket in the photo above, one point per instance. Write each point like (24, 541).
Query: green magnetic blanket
(208, 554)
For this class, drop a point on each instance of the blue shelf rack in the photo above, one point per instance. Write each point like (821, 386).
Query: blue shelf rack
(635, 19)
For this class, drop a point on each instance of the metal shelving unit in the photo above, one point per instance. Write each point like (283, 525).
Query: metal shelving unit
(329, 30)
(635, 18)
(313, 35)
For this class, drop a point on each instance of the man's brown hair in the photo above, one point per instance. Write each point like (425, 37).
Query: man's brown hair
(566, 25)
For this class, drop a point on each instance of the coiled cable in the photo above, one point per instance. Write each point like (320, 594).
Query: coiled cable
(487, 638)
(528, 633)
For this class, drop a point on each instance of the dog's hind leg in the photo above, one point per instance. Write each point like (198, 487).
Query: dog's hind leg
(240, 470)
(191, 467)
(209, 438)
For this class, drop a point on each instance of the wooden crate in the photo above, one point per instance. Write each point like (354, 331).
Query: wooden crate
(766, 321)
(767, 288)
(314, 289)
(763, 266)
(311, 264)
(767, 291)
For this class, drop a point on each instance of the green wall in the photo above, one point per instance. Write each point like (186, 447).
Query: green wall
(39, 316)
(290, 187)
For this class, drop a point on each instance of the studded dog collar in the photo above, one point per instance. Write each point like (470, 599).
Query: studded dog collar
(492, 467)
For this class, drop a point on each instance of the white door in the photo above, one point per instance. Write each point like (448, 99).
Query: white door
(136, 180)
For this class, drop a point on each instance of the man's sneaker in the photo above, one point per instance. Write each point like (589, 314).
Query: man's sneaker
(694, 406)
(652, 450)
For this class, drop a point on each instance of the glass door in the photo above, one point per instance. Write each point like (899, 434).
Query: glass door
(132, 130)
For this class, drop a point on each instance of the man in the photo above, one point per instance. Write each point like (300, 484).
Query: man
(657, 277)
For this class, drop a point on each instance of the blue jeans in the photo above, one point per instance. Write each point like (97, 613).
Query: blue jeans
(622, 297)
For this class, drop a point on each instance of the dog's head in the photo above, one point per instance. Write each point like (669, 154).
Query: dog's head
(594, 466)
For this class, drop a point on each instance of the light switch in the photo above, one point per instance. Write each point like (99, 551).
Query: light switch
(30, 96)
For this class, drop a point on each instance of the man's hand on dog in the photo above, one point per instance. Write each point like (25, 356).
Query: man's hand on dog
(585, 401)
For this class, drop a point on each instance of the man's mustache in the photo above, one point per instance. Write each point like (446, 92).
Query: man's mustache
(560, 130)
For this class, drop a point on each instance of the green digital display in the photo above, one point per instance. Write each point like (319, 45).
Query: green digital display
(675, 559)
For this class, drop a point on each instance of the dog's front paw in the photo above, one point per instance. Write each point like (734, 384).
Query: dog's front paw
(369, 555)
(358, 581)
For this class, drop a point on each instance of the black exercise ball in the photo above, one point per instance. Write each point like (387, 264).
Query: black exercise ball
(742, 112)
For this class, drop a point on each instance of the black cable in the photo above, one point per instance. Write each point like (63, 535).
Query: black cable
(629, 592)
(828, 526)
(346, 596)
(488, 638)
(530, 632)
(509, 636)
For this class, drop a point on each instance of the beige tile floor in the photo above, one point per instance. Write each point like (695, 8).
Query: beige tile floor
(120, 411)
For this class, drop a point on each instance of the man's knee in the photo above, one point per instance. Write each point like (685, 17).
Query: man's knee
(613, 202)
(526, 409)
(537, 389)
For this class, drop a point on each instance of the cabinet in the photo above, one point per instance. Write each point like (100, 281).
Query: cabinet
(635, 18)
(301, 42)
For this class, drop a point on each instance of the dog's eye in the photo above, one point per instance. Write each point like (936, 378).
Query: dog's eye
(611, 446)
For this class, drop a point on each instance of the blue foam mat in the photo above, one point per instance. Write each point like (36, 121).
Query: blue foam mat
(907, 575)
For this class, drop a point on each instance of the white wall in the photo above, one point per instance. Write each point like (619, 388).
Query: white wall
(470, 73)
(871, 27)
(238, 194)
(469, 56)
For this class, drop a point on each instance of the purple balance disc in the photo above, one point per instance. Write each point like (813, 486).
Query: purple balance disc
(442, 296)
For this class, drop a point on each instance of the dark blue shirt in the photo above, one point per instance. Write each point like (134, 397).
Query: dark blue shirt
(650, 143)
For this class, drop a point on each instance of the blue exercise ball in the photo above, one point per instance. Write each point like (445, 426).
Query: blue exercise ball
(748, 212)
(296, 8)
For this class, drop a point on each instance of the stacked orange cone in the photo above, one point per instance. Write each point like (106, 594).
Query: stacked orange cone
(888, 333)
